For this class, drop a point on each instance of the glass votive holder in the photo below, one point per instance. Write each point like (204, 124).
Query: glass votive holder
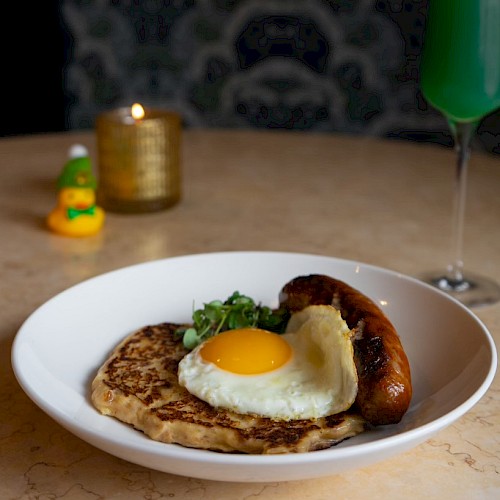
(138, 159)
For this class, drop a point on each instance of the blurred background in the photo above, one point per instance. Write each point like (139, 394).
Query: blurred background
(344, 66)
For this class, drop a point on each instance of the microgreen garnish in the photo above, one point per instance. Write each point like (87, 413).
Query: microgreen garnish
(238, 311)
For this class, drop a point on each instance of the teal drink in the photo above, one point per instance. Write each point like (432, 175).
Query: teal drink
(460, 72)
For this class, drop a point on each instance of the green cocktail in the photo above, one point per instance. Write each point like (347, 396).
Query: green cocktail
(460, 73)
(460, 76)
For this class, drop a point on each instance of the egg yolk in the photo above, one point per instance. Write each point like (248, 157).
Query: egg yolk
(247, 351)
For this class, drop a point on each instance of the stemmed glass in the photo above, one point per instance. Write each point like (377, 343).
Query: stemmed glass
(460, 76)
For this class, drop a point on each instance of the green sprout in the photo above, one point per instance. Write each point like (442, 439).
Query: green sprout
(238, 311)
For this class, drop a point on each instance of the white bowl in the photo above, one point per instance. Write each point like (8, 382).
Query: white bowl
(59, 348)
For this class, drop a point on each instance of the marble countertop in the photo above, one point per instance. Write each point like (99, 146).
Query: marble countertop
(381, 202)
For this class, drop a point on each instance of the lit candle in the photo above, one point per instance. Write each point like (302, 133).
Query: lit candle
(139, 159)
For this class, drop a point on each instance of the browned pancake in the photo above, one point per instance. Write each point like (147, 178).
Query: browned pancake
(138, 385)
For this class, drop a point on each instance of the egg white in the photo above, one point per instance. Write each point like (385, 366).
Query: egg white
(320, 379)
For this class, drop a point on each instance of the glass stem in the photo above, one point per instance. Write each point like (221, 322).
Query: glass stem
(462, 132)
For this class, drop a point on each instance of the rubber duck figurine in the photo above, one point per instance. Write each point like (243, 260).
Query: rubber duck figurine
(76, 213)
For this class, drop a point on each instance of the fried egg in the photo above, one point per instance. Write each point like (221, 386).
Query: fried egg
(307, 372)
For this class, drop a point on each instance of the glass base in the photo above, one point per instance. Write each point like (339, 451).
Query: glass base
(133, 206)
(472, 290)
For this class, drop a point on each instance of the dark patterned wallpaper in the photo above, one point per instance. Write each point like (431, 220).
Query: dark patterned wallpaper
(325, 65)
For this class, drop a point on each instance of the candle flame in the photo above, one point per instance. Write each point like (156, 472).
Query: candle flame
(137, 111)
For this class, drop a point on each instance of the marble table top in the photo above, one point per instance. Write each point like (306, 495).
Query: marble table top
(381, 202)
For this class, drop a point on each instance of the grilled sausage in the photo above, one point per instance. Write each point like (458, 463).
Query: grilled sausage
(384, 380)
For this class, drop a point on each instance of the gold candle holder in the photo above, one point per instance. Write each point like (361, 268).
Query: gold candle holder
(138, 159)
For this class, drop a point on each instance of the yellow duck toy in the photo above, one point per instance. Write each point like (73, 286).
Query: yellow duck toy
(76, 213)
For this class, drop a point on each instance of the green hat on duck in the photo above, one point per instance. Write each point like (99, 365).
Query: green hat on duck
(77, 172)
